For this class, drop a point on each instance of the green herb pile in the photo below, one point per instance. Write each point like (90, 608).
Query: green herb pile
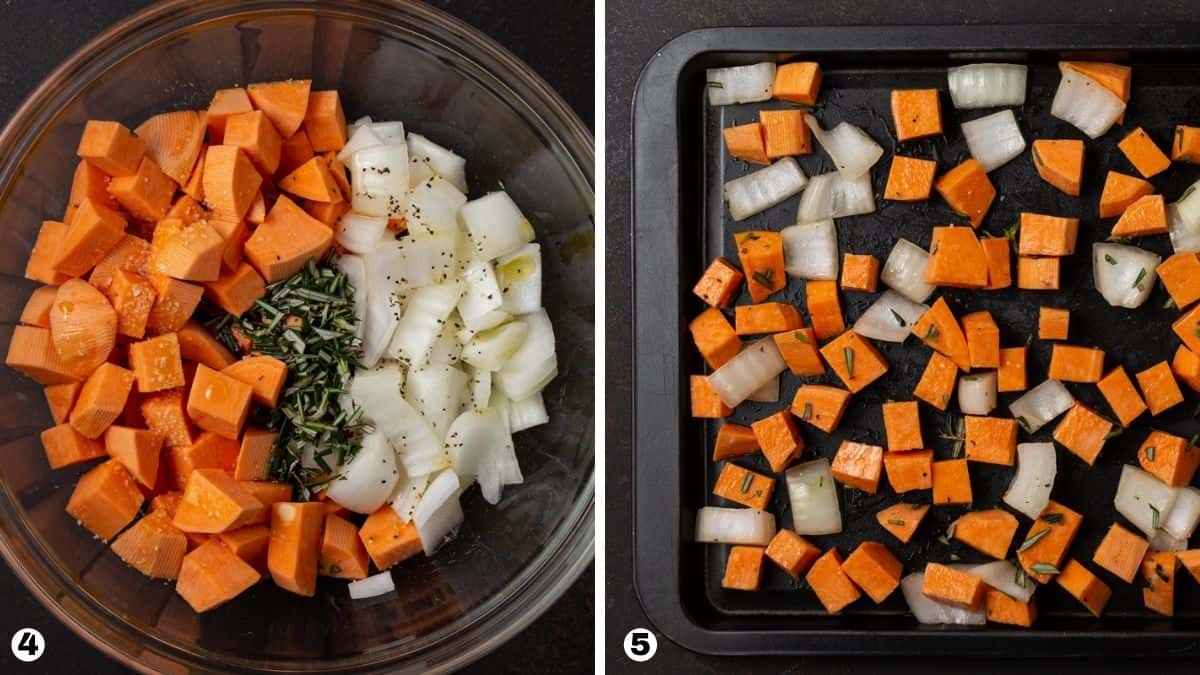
(307, 321)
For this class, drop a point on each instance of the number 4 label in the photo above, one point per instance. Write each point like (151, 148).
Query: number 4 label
(28, 645)
(640, 645)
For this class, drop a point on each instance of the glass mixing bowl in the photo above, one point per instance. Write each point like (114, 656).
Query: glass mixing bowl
(391, 60)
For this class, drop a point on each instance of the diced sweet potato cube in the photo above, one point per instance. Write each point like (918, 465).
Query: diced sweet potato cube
(1047, 235)
(61, 398)
(766, 317)
(916, 113)
(266, 376)
(1002, 609)
(1186, 145)
(746, 142)
(210, 451)
(1159, 387)
(36, 311)
(92, 233)
(197, 344)
(1052, 534)
(833, 587)
(325, 121)
(257, 137)
(743, 570)
(1190, 561)
(910, 179)
(1083, 432)
(951, 482)
(285, 102)
(101, 400)
(234, 234)
(1053, 323)
(937, 381)
(990, 532)
(230, 181)
(800, 352)
(939, 329)
(1069, 363)
(212, 575)
(186, 252)
(110, 147)
(779, 439)
(389, 540)
(153, 546)
(88, 182)
(1121, 190)
(286, 241)
(983, 339)
(342, 553)
(268, 493)
(105, 500)
(820, 406)
(294, 549)
(1187, 327)
(1158, 571)
(1060, 163)
(164, 412)
(874, 569)
(132, 297)
(705, 402)
(858, 465)
(860, 272)
(173, 141)
(792, 553)
(999, 261)
(1122, 397)
(225, 102)
(824, 308)
(156, 363)
(785, 133)
(146, 194)
(1121, 552)
(967, 190)
(714, 337)
(218, 403)
(137, 450)
(236, 291)
(720, 283)
(32, 352)
(761, 254)
(214, 502)
(991, 440)
(1084, 586)
(855, 360)
(1172, 459)
(250, 544)
(1038, 274)
(956, 259)
(744, 487)
(174, 303)
(952, 586)
(1011, 375)
(734, 440)
(64, 446)
(40, 266)
(1180, 275)
(296, 150)
(798, 82)
(902, 425)
(902, 520)
(1143, 154)
(909, 470)
(1144, 217)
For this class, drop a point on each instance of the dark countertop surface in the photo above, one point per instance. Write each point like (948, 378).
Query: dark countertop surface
(36, 35)
(635, 30)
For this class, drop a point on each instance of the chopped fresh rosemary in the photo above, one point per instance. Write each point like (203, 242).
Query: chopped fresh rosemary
(895, 521)
(808, 411)
(954, 431)
(848, 355)
(932, 333)
(1043, 568)
(1020, 578)
(1162, 574)
(1109, 259)
(1169, 304)
(715, 85)
(799, 335)
(747, 480)
(1186, 193)
(764, 278)
(1053, 518)
(899, 319)
(1150, 453)
(1137, 283)
(1192, 441)
(1033, 539)
(821, 482)
(306, 321)
(1154, 517)
(750, 236)
(1117, 430)
(1024, 423)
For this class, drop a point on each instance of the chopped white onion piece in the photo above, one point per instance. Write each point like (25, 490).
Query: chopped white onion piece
(1161, 541)
(1004, 577)
(446, 349)
(768, 393)
(810, 250)
(534, 364)
(986, 85)
(994, 139)
(977, 393)
(1125, 275)
(520, 277)
(719, 525)
(852, 150)
(355, 270)
(1029, 491)
(740, 84)
(362, 138)
(904, 271)
(437, 392)
(527, 413)
(435, 160)
(407, 494)
(491, 348)
(1180, 522)
(497, 227)
(930, 611)
(1086, 105)
(747, 372)
(379, 180)
(481, 387)
(433, 207)
(829, 195)
(376, 584)
(359, 233)
(890, 318)
(366, 481)
(814, 498)
(439, 513)
(1038, 406)
(1143, 499)
(758, 191)
(423, 321)
(389, 132)
(475, 442)
(481, 294)
(1183, 218)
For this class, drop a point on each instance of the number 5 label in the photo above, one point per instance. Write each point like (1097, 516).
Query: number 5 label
(640, 645)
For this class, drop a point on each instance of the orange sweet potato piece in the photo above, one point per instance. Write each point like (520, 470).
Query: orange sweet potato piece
(1187, 327)
(734, 440)
(324, 121)
(1059, 525)
(312, 180)
(1002, 609)
(833, 587)
(983, 339)
(1084, 586)
(910, 179)
(902, 520)
(1190, 561)
(1083, 432)
(1121, 552)
(992, 440)
(1159, 388)
(91, 234)
(902, 425)
(88, 182)
(798, 82)
(265, 375)
(249, 543)
(342, 552)
(916, 113)
(785, 133)
(761, 256)
(990, 532)
(329, 213)
(268, 493)
(37, 308)
(1041, 234)
(951, 482)
(1186, 366)
(285, 103)
(64, 446)
(83, 327)
(1171, 458)
(1114, 77)
(791, 553)
(31, 351)
(296, 150)
(705, 402)
(173, 140)
(293, 552)
(743, 570)
(874, 569)
(286, 241)
(214, 502)
(130, 254)
(257, 137)
(855, 360)
(779, 439)
(744, 487)
(132, 298)
(1180, 275)
(1069, 363)
(1011, 375)
(1121, 190)
(229, 181)
(218, 403)
(766, 317)
(212, 575)
(186, 252)
(101, 400)
(967, 190)
(146, 194)
(110, 147)
(824, 308)
(164, 413)
(156, 363)
(197, 344)
(860, 273)
(234, 234)
(820, 405)
(236, 291)
(153, 546)
(1039, 274)
(1124, 400)
(1144, 217)
(40, 266)
(720, 284)
(956, 259)
(225, 102)
(908, 471)
(1143, 154)
(858, 465)
(105, 500)
(1158, 570)
(389, 540)
(194, 187)
(952, 586)
(937, 381)
(1186, 144)
(61, 398)
(1060, 163)
(1053, 323)
(137, 450)
(714, 337)
(800, 352)
(938, 328)
(174, 303)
